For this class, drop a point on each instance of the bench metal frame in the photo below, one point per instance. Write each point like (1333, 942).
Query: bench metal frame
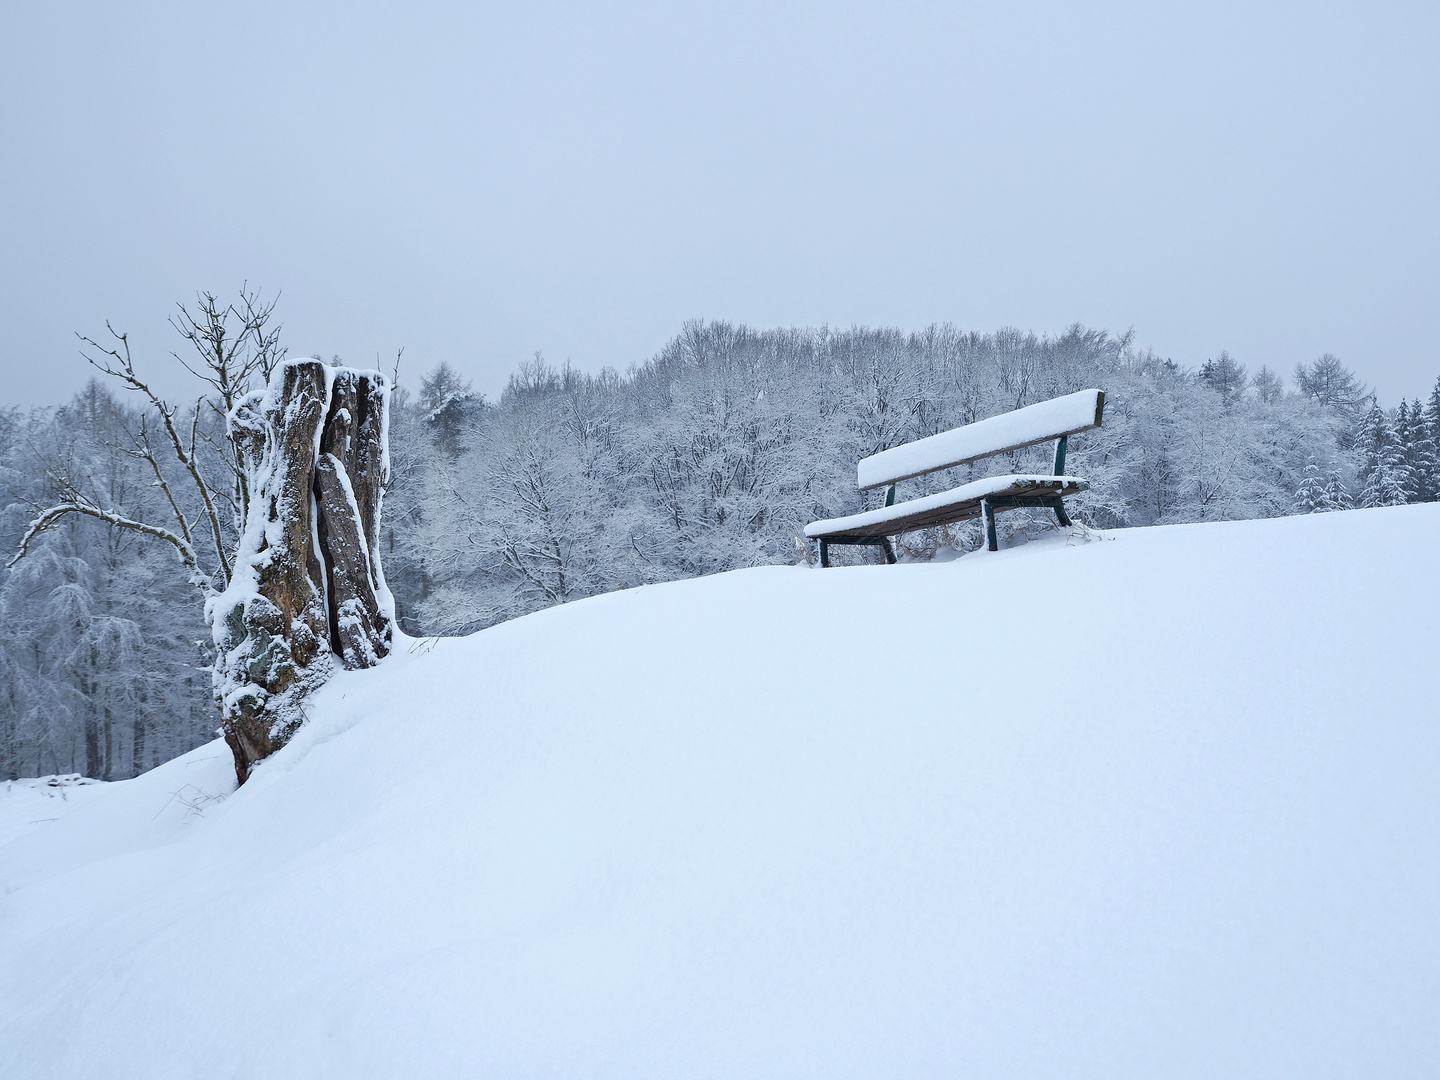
(987, 513)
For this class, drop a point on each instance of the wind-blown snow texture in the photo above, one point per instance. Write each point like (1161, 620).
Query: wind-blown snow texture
(1162, 804)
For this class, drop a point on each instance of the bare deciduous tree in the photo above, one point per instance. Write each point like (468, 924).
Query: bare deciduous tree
(304, 583)
(233, 344)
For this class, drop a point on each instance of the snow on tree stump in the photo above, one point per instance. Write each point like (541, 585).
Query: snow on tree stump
(307, 587)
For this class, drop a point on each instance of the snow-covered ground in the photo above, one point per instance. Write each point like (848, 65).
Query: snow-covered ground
(35, 801)
(1164, 804)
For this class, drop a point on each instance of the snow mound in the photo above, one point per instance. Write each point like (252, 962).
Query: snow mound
(1162, 805)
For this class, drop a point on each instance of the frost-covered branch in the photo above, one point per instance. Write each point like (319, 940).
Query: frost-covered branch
(76, 503)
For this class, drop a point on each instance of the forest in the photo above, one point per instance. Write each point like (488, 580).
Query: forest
(710, 456)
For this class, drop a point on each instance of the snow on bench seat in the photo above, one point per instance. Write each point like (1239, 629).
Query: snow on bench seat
(946, 506)
(1047, 420)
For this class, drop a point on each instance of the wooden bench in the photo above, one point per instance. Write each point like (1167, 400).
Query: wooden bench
(1056, 419)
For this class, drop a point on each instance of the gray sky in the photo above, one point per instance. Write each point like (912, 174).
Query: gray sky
(476, 182)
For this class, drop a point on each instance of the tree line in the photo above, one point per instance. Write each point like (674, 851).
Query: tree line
(710, 456)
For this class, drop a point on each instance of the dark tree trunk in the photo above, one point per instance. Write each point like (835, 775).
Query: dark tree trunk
(307, 586)
(109, 729)
(93, 762)
(137, 740)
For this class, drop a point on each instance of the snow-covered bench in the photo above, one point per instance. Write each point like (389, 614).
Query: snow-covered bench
(1058, 419)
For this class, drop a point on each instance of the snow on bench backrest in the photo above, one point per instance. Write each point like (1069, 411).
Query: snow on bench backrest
(1033, 424)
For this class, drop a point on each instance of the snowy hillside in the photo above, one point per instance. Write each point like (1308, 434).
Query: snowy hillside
(1159, 804)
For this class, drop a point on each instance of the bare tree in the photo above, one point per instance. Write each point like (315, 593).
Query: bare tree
(233, 344)
(304, 584)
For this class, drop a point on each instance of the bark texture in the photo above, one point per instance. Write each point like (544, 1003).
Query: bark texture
(307, 588)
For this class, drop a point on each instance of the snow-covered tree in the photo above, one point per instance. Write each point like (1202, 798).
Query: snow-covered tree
(1226, 376)
(1384, 477)
(1311, 496)
(1423, 448)
(1337, 390)
(1268, 386)
(447, 402)
(1331, 384)
(1320, 494)
(1337, 495)
(1416, 449)
(98, 634)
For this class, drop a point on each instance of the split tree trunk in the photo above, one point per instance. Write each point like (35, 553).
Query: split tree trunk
(307, 588)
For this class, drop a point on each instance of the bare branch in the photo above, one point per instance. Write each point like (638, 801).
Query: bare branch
(223, 363)
(119, 365)
(266, 350)
(148, 453)
(77, 503)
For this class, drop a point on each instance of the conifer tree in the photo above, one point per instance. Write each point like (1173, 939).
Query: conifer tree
(1428, 447)
(1225, 376)
(1404, 442)
(1320, 495)
(1337, 495)
(1419, 449)
(1311, 495)
(1384, 477)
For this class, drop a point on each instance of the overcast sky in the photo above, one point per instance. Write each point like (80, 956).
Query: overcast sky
(476, 182)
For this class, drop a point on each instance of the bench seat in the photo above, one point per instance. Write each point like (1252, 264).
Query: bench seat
(958, 504)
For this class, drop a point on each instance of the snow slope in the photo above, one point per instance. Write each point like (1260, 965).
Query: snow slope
(1164, 804)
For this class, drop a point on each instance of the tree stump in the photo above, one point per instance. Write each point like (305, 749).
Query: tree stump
(307, 588)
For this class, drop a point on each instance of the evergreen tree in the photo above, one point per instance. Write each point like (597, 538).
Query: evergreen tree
(1404, 440)
(1311, 495)
(1225, 376)
(1427, 452)
(448, 402)
(1384, 477)
(1337, 496)
(1320, 495)
(1418, 449)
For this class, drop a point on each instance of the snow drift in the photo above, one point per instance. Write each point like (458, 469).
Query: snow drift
(1158, 804)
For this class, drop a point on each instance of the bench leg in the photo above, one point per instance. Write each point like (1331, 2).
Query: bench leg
(1059, 507)
(889, 551)
(824, 553)
(987, 513)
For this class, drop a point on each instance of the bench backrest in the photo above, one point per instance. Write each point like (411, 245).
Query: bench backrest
(1016, 430)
